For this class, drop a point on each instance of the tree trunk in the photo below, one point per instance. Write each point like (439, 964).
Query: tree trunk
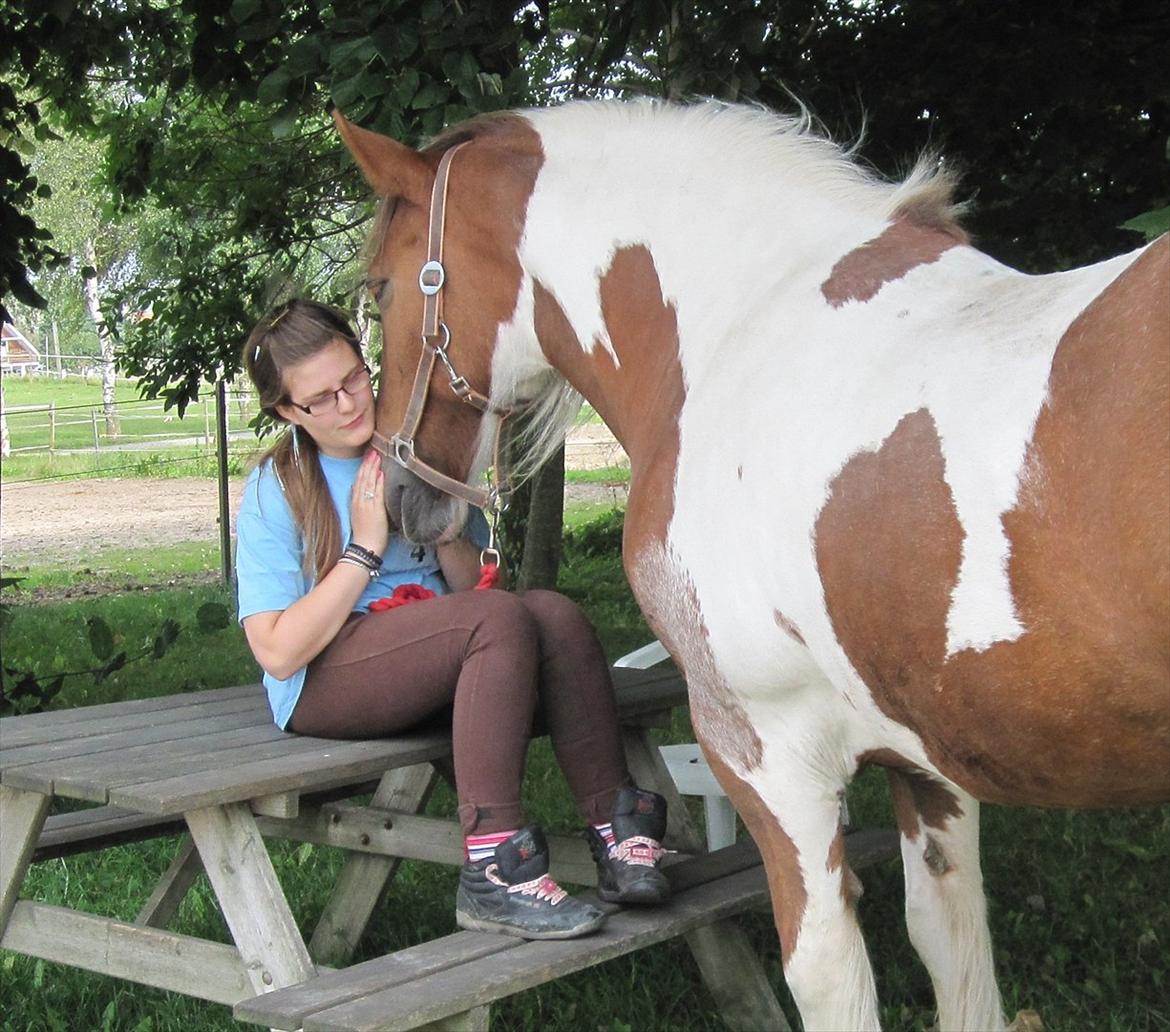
(105, 338)
(5, 443)
(544, 526)
(56, 339)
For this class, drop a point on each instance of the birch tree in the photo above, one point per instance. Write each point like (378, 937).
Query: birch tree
(105, 336)
(5, 443)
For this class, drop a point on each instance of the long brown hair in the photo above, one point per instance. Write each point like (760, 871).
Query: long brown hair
(295, 331)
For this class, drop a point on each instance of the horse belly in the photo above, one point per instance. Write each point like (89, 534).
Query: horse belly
(1074, 709)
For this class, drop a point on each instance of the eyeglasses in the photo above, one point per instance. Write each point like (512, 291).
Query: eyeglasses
(355, 383)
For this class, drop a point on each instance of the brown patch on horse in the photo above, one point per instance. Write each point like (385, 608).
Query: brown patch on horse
(781, 857)
(905, 245)
(888, 546)
(851, 888)
(918, 797)
(644, 334)
(1076, 712)
(787, 626)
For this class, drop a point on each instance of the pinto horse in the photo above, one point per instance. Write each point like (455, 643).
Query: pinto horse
(890, 501)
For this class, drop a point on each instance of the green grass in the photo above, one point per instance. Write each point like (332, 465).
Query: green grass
(1078, 902)
(604, 475)
(174, 461)
(117, 569)
(75, 402)
(52, 638)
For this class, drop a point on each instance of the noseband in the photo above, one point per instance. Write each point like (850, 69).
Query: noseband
(436, 340)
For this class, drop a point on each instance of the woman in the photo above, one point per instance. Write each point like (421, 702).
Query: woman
(315, 549)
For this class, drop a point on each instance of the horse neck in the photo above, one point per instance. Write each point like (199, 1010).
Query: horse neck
(703, 246)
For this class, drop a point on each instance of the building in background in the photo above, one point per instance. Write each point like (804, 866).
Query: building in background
(18, 356)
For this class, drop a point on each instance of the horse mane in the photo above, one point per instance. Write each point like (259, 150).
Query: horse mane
(759, 142)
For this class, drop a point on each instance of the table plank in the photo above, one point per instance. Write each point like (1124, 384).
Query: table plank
(118, 716)
(337, 987)
(304, 763)
(70, 747)
(149, 956)
(93, 776)
(458, 989)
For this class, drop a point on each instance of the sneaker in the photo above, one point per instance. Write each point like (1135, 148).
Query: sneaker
(629, 873)
(512, 893)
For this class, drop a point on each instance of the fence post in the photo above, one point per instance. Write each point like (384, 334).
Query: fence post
(221, 450)
(52, 426)
(96, 442)
(207, 423)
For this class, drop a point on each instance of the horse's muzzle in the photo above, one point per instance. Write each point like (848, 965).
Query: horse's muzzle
(422, 514)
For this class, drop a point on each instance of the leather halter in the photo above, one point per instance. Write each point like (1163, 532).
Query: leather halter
(436, 339)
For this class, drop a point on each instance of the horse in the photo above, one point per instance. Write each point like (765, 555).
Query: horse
(891, 502)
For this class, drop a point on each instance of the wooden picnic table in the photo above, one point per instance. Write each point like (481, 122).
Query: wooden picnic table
(213, 763)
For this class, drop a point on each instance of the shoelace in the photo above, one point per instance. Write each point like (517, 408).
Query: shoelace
(639, 851)
(542, 887)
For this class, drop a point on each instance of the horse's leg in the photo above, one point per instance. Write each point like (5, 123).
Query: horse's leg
(814, 893)
(946, 912)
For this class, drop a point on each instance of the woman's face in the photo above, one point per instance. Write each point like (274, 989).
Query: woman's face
(340, 421)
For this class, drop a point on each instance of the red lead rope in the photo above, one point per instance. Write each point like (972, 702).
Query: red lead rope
(404, 594)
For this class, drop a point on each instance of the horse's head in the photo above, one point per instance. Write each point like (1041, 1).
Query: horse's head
(456, 208)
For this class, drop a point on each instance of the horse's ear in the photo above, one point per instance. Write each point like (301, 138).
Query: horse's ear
(391, 168)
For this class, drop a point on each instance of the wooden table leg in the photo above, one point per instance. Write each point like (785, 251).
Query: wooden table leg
(365, 875)
(172, 887)
(250, 896)
(730, 968)
(22, 816)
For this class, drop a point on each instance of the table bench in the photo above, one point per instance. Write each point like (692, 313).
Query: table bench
(213, 764)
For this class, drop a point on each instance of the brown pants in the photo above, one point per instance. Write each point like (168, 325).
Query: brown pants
(493, 659)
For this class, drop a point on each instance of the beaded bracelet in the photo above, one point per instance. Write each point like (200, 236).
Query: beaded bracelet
(371, 559)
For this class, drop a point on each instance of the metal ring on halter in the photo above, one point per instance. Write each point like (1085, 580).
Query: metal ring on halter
(400, 445)
(431, 277)
(441, 349)
(489, 555)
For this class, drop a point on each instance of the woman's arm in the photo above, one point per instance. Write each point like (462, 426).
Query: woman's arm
(288, 639)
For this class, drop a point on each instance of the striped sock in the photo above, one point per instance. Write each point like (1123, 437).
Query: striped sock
(483, 847)
(606, 832)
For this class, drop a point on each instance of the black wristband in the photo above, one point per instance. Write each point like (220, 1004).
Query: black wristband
(371, 559)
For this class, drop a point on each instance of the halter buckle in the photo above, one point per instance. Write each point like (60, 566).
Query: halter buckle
(431, 277)
(403, 446)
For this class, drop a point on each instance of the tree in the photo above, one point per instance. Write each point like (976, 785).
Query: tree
(1055, 164)
(213, 112)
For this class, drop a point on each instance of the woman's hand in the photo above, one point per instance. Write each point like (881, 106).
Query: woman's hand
(367, 506)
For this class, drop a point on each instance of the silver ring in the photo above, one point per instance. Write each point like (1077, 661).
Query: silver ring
(367, 495)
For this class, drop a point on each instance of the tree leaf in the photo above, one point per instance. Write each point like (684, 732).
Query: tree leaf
(101, 638)
(165, 638)
(1152, 224)
(213, 616)
(113, 664)
(273, 86)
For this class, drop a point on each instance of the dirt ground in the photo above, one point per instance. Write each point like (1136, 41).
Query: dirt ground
(69, 520)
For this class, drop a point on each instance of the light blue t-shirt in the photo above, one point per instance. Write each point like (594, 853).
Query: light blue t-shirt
(269, 559)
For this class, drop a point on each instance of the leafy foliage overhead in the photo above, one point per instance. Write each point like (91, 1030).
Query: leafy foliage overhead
(215, 113)
(212, 113)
